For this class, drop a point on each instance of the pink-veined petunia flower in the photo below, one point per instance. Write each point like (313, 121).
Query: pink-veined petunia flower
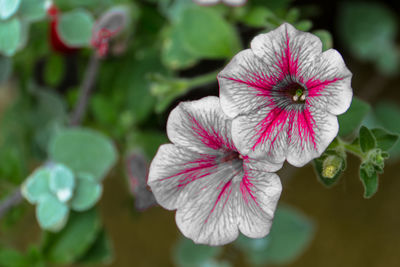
(214, 2)
(284, 94)
(215, 190)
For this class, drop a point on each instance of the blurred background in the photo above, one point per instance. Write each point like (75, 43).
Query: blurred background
(90, 84)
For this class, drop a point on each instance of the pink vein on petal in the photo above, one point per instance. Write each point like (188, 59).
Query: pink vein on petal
(315, 86)
(225, 192)
(212, 140)
(246, 188)
(202, 167)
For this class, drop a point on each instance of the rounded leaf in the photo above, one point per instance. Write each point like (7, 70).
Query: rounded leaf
(62, 182)
(88, 192)
(75, 27)
(8, 8)
(10, 35)
(51, 214)
(32, 10)
(84, 151)
(36, 186)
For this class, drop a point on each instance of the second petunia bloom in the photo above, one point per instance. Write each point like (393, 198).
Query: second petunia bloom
(284, 95)
(216, 191)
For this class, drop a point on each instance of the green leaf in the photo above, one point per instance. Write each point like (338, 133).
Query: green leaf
(83, 150)
(8, 8)
(369, 179)
(10, 35)
(364, 26)
(36, 186)
(188, 254)
(75, 27)
(367, 139)
(148, 141)
(88, 192)
(326, 38)
(206, 34)
(351, 120)
(51, 214)
(74, 240)
(174, 55)
(32, 10)
(11, 257)
(101, 250)
(5, 68)
(257, 16)
(290, 234)
(54, 69)
(62, 182)
(384, 139)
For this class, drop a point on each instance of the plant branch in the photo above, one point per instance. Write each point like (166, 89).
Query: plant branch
(85, 90)
(11, 201)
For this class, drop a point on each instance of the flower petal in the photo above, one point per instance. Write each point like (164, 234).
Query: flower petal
(287, 51)
(329, 83)
(245, 202)
(260, 192)
(303, 147)
(200, 126)
(213, 200)
(262, 134)
(175, 173)
(242, 84)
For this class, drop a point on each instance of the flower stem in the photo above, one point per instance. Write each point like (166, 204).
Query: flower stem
(12, 200)
(202, 79)
(355, 150)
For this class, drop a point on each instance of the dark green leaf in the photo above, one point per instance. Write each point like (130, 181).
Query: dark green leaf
(148, 141)
(369, 179)
(290, 235)
(326, 38)
(206, 34)
(174, 54)
(74, 240)
(101, 250)
(364, 26)
(54, 70)
(366, 139)
(384, 139)
(351, 120)
(5, 68)
(88, 192)
(83, 150)
(188, 254)
(257, 16)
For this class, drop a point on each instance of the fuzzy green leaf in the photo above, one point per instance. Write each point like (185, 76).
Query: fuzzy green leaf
(384, 139)
(187, 253)
(369, 179)
(101, 250)
(366, 139)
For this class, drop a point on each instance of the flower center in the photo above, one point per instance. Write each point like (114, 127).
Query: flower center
(296, 92)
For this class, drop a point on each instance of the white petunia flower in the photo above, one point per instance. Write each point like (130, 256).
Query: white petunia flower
(215, 190)
(214, 2)
(284, 94)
